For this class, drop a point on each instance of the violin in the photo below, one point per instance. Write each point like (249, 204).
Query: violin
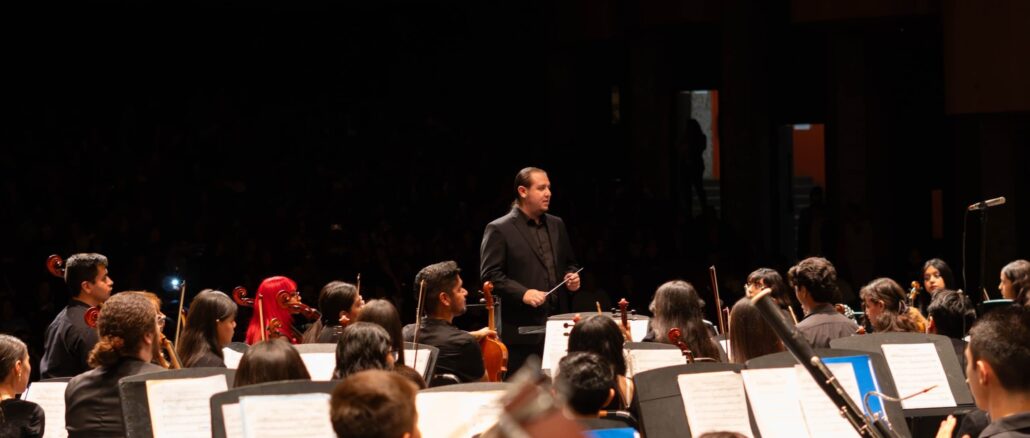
(495, 353)
(271, 330)
(676, 337)
(55, 265)
(286, 301)
(624, 320)
(913, 293)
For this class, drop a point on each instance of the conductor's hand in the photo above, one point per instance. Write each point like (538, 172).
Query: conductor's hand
(484, 332)
(534, 297)
(572, 281)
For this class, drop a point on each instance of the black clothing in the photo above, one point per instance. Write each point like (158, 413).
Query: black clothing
(92, 405)
(208, 359)
(823, 324)
(330, 334)
(459, 352)
(1012, 426)
(21, 419)
(960, 351)
(67, 343)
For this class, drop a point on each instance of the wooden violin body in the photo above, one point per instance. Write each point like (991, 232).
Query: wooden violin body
(495, 353)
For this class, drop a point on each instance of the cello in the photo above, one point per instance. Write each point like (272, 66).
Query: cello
(495, 353)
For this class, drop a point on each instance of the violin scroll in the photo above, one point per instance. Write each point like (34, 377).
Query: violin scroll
(239, 295)
(55, 265)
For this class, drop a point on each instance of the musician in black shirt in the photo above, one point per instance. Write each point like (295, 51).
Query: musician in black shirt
(68, 339)
(18, 418)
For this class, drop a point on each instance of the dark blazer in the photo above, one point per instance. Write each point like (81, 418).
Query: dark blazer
(92, 406)
(514, 265)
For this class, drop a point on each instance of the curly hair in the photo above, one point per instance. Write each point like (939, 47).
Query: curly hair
(123, 323)
(818, 276)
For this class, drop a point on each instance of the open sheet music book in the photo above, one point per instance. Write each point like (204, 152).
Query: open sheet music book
(181, 407)
(437, 413)
(50, 397)
(916, 367)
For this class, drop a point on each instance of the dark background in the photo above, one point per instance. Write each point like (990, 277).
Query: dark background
(316, 139)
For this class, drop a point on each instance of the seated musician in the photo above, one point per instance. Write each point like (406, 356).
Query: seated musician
(815, 283)
(384, 314)
(676, 304)
(996, 362)
(584, 382)
(18, 418)
(363, 346)
(1015, 281)
(951, 314)
(273, 312)
(460, 354)
(750, 335)
(763, 278)
(68, 340)
(128, 332)
(601, 335)
(886, 308)
(340, 304)
(374, 404)
(273, 360)
(209, 328)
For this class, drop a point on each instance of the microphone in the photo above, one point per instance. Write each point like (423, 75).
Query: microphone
(987, 204)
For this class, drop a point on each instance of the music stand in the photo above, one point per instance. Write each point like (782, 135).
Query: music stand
(472, 387)
(990, 305)
(287, 387)
(895, 415)
(132, 391)
(315, 348)
(659, 403)
(434, 353)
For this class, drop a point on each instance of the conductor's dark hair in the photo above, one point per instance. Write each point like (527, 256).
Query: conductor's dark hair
(82, 267)
(601, 335)
(1002, 339)
(439, 277)
(952, 312)
(818, 276)
(584, 380)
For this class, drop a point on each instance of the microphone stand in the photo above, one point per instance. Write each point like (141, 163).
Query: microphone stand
(983, 249)
(804, 354)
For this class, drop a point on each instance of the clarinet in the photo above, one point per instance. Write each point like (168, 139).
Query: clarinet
(799, 348)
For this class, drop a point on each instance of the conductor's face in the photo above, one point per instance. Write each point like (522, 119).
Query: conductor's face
(536, 198)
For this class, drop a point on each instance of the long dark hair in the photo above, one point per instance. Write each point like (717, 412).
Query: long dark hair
(335, 297)
(897, 316)
(676, 304)
(945, 270)
(384, 314)
(270, 361)
(601, 335)
(749, 335)
(12, 350)
(200, 336)
(362, 346)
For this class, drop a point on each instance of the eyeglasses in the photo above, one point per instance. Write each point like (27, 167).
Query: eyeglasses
(161, 320)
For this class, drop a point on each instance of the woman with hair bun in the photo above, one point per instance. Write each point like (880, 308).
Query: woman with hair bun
(18, 418)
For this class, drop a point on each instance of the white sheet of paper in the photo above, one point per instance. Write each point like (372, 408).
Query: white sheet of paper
(637, 329)
(307, 416)
(916, 367)
(233, 417)
(715, 402)
(232, 358)
(774, 401)
(638, 361)
(320, 365)
(181, 407)
(423, 360)
(50, 397)
(845, 375)
(457, 414)
(821, 416)
(556, 344)
(725, 343)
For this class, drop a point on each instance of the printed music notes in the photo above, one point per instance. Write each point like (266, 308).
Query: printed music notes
(916, 367)
(638, 361)
(715, 402)
(181, 407)
(420, 363)
(50, 397)
(308, 416)
(788, 403)
(457, 414)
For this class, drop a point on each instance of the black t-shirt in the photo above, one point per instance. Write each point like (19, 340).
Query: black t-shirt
(21, 419)
(92, 404)
(67, 343)
(459, 352)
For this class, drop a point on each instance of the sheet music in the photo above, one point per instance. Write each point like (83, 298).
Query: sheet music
(307, 416)
(715, 402)
(725, 343)
(233, 416)
(232, 358)
(556, 344)
(916, 367)
(845, 375)
(181, 407)
(457, 414)
(774, 401)
(822, 417)
(638, 361)
(50, 397)
(320, 365)
(637, 329)
(423, 360)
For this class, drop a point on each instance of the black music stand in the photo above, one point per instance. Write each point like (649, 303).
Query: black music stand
(472, 387)
(434, 353)
(659, 403)
(990, 305)
(893, 409)
(132, 391)
(287, 387)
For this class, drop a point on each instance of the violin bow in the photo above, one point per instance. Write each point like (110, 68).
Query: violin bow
(418, 316)
(261, 316)
(178, 319)
(718, 302)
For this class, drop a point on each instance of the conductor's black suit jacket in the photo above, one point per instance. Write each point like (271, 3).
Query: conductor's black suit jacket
(511, 259)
